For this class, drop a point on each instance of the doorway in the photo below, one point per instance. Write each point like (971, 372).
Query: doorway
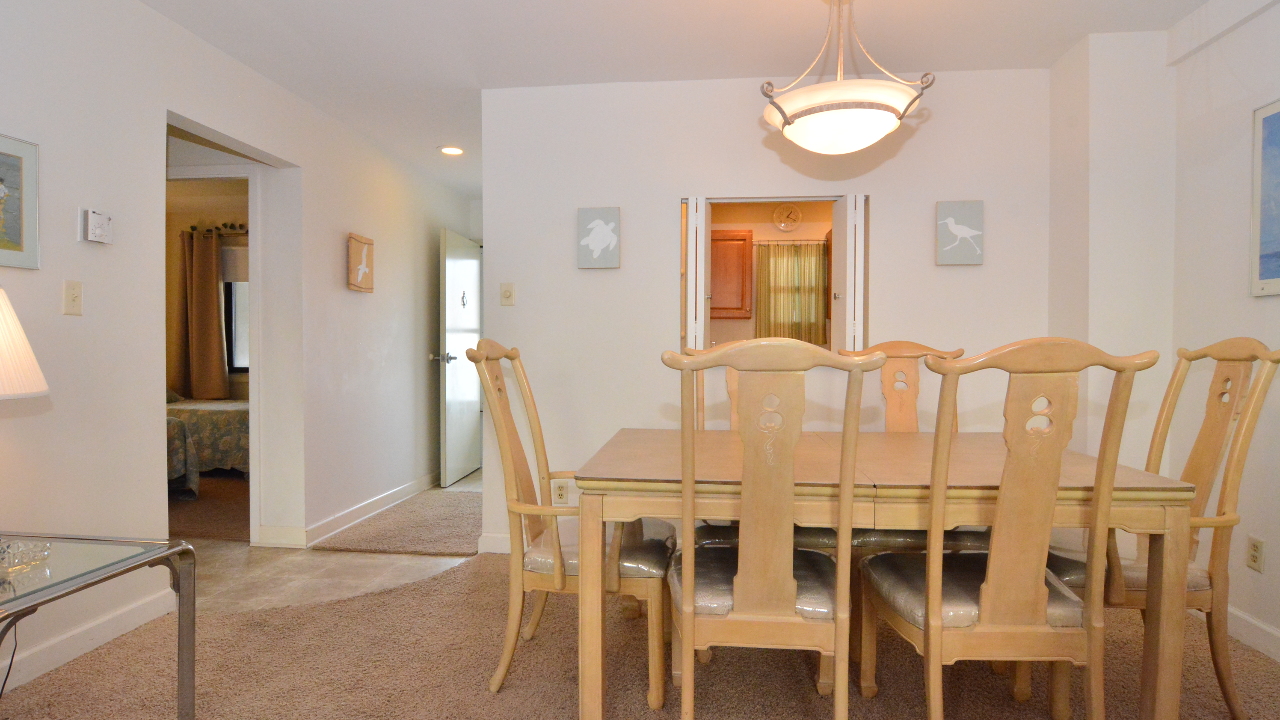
(208, 232)
(461, 406)
(770, 267)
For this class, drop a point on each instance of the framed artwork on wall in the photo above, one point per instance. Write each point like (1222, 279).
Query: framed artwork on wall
(598, 237)
(1265, 253)
(960, 227)
(359, 263)
(19, 193)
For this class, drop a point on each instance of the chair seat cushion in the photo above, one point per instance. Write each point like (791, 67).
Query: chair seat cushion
(821, 538)
(815, 575)
(1069, 565)
(646, 548)
(899, 578)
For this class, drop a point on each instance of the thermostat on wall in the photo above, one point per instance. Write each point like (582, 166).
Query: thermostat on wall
(96, 227)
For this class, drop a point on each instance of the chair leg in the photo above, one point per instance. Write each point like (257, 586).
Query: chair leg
(1060, 690)
(686, 662)
(676, 644)
(1220, 650)
(1000, 667)
(1022, 681)
(539, 604)
(630, 606)
(704, 656)
(826, 673)
(933, 687)
(657, 650)
(1094, 686)
(515, 610)
(867, 646)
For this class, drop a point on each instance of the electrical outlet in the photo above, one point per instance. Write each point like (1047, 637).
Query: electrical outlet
(560, 491)
(1253, 554)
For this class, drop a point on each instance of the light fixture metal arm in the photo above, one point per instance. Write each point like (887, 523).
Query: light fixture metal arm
(766, 89)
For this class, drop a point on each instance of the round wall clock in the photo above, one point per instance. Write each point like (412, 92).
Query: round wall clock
(787, 217)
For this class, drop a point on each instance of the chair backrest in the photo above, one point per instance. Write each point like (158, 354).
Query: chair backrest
(1232, 400)
(517, 478)
(730, 386)
(1039, 411)
(900, 380)
(771, 406)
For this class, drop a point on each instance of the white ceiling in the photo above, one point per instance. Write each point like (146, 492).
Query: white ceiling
(408, 73)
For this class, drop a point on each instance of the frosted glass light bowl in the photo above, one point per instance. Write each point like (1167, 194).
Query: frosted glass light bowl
(824, 122)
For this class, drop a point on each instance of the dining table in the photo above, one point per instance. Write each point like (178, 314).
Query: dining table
(637, 474)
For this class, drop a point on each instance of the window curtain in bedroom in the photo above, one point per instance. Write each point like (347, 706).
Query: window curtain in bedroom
(791, 291)
(197, 351)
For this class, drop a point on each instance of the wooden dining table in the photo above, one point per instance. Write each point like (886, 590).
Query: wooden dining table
(636, 474)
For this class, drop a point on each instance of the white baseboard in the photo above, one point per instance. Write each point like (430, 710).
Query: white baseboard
(33, 662)
(495, 543)
(347, 518)
(285, 537)
(1256, 634)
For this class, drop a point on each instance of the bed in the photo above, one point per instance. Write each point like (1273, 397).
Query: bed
(216, 436)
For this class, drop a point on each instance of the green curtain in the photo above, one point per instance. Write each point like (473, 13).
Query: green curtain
(791, 291)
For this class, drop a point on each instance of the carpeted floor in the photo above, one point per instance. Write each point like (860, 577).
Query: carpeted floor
(221, 512)
(433, 522)
(426, 650)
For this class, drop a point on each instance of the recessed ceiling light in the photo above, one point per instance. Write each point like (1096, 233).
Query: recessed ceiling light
(447, 150)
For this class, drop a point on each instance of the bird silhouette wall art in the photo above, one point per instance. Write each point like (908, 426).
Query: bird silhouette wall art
(960, 232)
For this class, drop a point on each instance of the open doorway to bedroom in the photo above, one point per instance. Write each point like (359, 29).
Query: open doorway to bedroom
(208, 231)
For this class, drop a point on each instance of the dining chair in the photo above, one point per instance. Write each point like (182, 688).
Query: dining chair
(1233, 399)
(1002, 604)
(764, 592)
(544, 538)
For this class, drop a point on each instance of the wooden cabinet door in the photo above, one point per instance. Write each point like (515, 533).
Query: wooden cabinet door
(732, 278)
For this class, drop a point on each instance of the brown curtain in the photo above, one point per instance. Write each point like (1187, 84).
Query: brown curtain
(791, 291)
(197, 351)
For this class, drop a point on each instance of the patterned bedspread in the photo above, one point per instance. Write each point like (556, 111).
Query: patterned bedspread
(182, 453)
(219, 430)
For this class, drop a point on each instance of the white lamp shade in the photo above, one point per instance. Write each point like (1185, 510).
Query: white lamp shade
(839, 130)
(20, 374)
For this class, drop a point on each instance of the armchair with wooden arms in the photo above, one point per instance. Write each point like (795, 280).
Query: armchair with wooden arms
(544, 539)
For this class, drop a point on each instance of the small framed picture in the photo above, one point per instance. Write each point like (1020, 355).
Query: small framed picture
(599, 237)
(19, 192)
(1264, 255)
(359, 263)
(960, 228)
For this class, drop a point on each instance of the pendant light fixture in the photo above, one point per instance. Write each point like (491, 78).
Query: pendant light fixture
(842, 116)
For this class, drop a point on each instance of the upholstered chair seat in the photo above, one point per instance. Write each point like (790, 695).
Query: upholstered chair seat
(899, 578)
(1069, 566)
(646, 548)
(824, 539)
(815, 575)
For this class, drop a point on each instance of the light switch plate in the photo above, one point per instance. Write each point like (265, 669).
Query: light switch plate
(72, 298)
(507, 293)
(96, 227)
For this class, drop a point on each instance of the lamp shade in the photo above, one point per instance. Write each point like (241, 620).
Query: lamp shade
(843, 116)
(20, 374)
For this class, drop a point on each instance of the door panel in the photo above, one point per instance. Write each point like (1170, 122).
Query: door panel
(460, 399)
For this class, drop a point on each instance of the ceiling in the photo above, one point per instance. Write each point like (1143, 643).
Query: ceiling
(408, 73)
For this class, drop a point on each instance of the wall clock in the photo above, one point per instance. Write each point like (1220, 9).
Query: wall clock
(786, 217)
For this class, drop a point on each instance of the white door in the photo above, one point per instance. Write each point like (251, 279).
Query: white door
(848, 286)
(460, 401)
(698, 272)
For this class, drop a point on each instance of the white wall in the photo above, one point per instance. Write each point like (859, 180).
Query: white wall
(1219, 86)
(92, 84)
(591, 338)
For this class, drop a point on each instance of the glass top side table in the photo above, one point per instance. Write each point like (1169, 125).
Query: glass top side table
(36, 570)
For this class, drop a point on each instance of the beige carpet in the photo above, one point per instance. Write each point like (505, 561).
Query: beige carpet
(426, 650)
(433, 522)
(221, 512)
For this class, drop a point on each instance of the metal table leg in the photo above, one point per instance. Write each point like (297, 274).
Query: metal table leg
(182, 577)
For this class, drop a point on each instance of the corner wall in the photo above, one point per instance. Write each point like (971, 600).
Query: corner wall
(1219, 86)
(92, 84)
